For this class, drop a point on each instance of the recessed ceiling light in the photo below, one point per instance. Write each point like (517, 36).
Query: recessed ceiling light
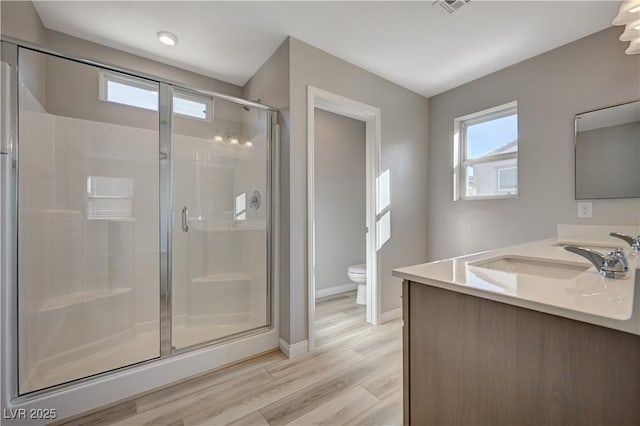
(167, 38)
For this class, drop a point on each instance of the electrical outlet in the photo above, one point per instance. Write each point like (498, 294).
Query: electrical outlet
(585, 209)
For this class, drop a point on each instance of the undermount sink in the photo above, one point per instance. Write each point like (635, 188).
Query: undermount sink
(533, 266)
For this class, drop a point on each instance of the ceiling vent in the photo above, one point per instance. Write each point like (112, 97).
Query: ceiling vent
(449, 6)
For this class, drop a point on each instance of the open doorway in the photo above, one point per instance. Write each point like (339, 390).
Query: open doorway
(361, 124)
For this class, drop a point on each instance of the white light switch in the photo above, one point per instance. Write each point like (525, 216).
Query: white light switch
(585, 208)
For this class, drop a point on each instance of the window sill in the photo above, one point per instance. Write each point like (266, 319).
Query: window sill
(488, 197)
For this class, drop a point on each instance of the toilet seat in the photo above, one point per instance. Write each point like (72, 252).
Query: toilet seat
(360, 269)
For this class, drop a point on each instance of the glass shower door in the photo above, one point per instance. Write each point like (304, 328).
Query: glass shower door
(88, 218)
(220, 153)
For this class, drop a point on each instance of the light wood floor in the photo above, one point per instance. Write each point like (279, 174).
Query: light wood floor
(353, 377)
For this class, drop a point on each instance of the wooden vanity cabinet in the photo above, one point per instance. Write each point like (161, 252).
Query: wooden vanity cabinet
(472, 361)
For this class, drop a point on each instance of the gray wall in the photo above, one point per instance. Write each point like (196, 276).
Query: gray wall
(271, 85)
(340, 197)
(608, 162)
(404, 153)
(551, 89)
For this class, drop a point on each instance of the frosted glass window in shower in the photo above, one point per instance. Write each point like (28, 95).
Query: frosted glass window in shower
(88, 243)
(219, 283)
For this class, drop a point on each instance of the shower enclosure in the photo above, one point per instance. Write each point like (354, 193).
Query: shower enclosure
(136, 215)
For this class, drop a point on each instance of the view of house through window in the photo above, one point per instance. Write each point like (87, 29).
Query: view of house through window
(486, 151)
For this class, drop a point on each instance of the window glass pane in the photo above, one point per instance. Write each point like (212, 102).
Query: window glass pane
(131, 95)
(383, 229)
(190, 108)
(492, 178)
(383, 187)
(507, 179)
(492, 137)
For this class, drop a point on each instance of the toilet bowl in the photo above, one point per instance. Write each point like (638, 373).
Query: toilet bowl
(358, 275)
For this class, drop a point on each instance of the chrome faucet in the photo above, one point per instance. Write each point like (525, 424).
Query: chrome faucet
(633, 242)
(612, 265)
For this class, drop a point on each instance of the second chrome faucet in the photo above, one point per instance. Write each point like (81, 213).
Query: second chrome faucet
(634, 242)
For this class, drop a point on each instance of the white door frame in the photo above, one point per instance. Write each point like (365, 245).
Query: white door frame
(322, 99)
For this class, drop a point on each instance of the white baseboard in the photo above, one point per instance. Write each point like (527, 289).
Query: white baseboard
(297, 349)
(391, 315)
(342, 288)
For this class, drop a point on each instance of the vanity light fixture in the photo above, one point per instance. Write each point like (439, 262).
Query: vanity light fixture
(629, 15)
(167, 38)
(248, 144)
(218, 138)
(234, 140)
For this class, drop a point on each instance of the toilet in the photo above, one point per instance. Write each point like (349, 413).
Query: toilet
(358, 275)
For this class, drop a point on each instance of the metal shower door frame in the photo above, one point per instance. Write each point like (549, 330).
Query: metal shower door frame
(9, 218)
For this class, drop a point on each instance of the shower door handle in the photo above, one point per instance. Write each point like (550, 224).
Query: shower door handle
(185, 219)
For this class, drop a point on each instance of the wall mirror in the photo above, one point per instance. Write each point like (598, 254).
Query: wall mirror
(608, 152)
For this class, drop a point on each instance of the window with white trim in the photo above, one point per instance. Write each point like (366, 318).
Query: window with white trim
(140, 93)
(485, 159)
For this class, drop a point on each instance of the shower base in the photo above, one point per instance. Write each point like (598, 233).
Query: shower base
(139, 346)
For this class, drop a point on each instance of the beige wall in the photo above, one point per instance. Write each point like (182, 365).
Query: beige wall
(340, 191)
(404, 153)
(551, 89)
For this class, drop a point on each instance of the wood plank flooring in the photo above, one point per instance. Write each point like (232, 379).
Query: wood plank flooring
(353, 377)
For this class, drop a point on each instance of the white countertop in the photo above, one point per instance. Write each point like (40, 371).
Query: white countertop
(584, 296)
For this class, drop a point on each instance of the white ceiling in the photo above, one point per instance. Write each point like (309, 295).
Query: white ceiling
(409, 43)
